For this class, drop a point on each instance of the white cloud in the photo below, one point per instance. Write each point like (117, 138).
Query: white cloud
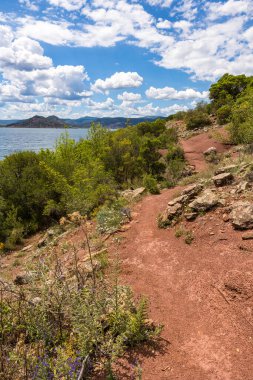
(229, 8)
(107, 105)
(69, 5)
(29, 4)
(23, 54)
(118, 80)
(172, 93)
(161, 3)
(163, 24)
(66, 82)
(209, 52)
(129, 97)
(183, 25)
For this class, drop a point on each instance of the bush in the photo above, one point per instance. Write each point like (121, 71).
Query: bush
(59, 325)
(150, 184)
(109, 218)
(197, 119)
(223, 114)
(175, 170)
(175, 152)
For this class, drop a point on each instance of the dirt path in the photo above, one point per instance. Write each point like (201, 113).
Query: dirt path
(195, 146)
(210, 331)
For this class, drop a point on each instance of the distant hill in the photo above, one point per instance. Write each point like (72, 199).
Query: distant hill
(39, 122)
(83, 122)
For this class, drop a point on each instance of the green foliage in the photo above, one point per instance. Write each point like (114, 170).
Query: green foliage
(175, 170)
(38, 189)
(150, 184)
(196, 119)
(227, 89)
(47, 330)
(175, 152)
(223, 114)
(109, 218)
(241, 128)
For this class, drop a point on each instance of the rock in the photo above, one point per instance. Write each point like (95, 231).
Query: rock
(50, 233)
(21, 279)
(206, 201)
(190, 216)
(42, 242)
(132, 194)
(210, 151)
(170, 215)
(249, 176)
(88, 267)
(182, 199)
(225, 218)
(36, 300)
(247, 236)
(242, 215)
(223, 179)
(27, 248)
(225, 169)
(192, 190)
(243, 186)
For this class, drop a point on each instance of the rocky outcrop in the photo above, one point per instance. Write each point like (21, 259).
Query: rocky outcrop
(133, 194)
(206, 201)
(170, 215)
(176, 206)
(242, 215)
(223, 179)
(225, 169)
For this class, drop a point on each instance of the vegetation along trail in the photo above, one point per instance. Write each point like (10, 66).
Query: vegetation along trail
(205, 336)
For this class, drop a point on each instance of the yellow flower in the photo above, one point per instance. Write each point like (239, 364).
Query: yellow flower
(1, 246)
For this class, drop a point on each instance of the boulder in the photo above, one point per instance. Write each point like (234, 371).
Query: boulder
(132, 194)
(223, 179)
(242, 215)
(206, 201)
(170, 215)
(192, 190)
(182, 199)
(243, 186)
(190, 216)
(226, 169)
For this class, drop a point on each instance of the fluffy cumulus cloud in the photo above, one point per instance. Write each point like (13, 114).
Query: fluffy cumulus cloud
(129, 97)
(172, 93)
(118, 80)
(203, 39)
(229, 8)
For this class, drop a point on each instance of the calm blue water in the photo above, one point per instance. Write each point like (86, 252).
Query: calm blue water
(16, 139)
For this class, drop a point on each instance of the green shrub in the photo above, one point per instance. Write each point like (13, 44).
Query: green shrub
(197, 119)
(57, 324)
(175, 152)
(223, 114)
(150, 184)
(175, 170)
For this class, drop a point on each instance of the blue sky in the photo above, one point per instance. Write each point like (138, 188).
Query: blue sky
(127, 58)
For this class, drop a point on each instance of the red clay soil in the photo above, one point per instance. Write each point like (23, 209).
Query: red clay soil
(201, 293)
(195, 146)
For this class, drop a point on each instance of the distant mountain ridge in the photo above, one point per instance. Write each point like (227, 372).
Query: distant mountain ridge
(83, 122)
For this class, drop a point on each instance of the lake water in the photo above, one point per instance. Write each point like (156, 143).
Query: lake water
(17, 139)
